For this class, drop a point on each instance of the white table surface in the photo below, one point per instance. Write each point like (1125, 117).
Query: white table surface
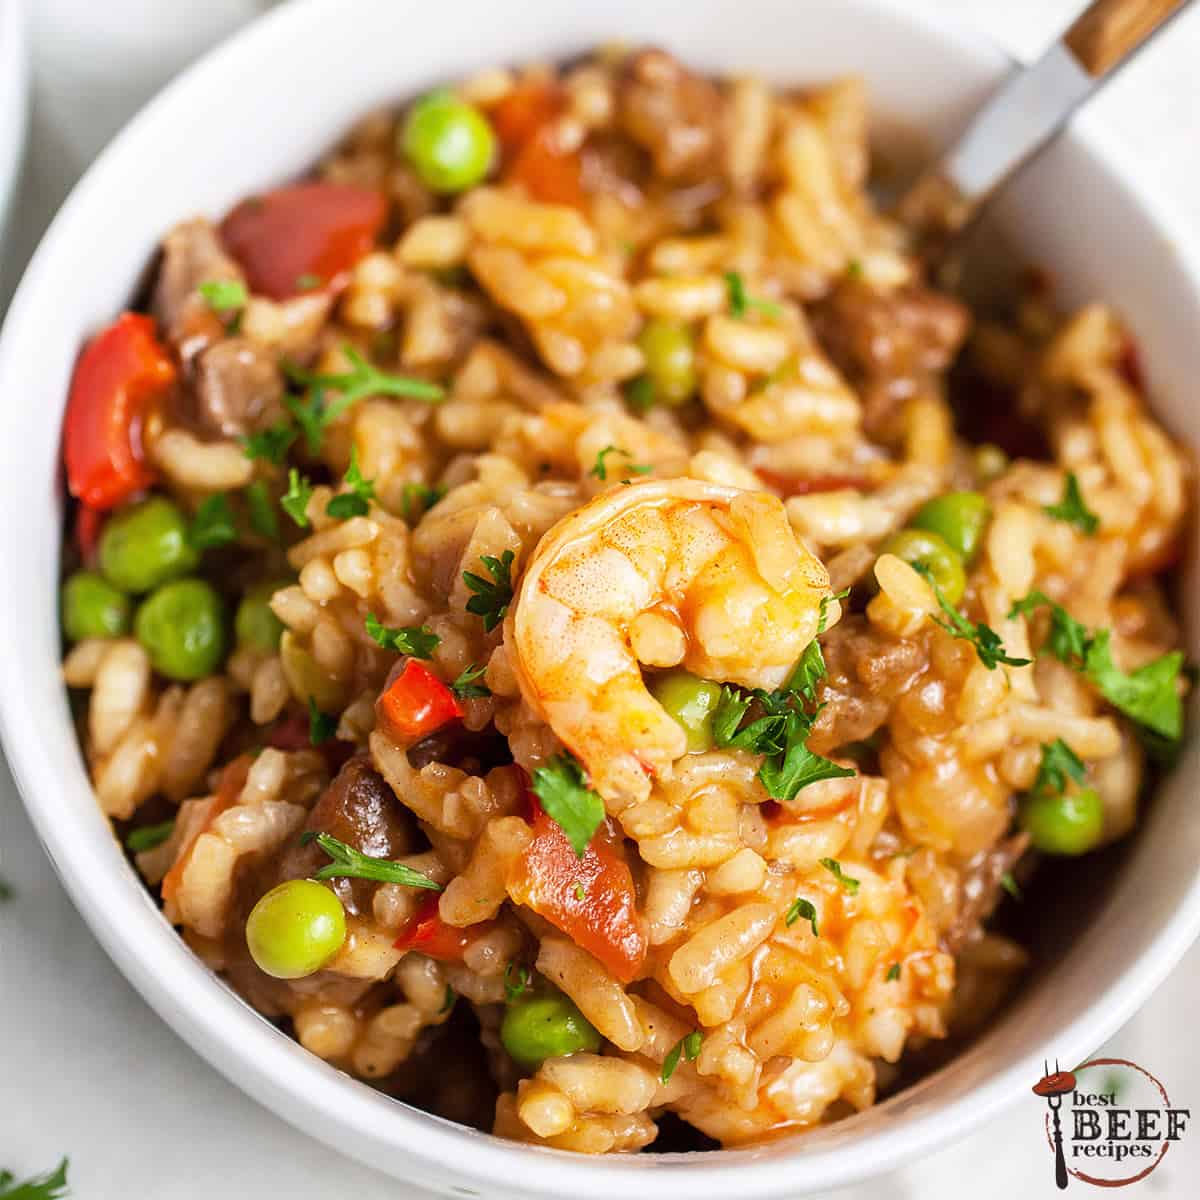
(86, 1068)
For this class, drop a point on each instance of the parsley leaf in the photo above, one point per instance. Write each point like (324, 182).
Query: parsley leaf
(362, 380)
(492, 597)
(740, 301)
(522, 980)
(321, 726)
(262, 512)
(781, 734)
(600, 468)
(149, 836)
(802, 909)
(799, 766)
(355, 502)
(1072, 509)
(52, 1186)
(567, 799)
(826, 601)
(411, 639)
(465, 687)
(309, 413)
(1149, 695)
(224, 295)
(849, 884)
(687, 1047)
(989, 649)
(893, 973)
(1059, 764)
(349, 863)
(416, 499)
(271, 444)
(808, 672)
(641, 394)
(295, 500)
(213, 524)
(1010, 885)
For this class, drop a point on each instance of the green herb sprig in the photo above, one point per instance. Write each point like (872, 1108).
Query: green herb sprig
(348, 863)
(562, 788)
(414, 640)
(492, 596)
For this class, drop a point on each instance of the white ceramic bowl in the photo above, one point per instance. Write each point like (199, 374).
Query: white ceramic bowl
(14, 82)
(262, 108)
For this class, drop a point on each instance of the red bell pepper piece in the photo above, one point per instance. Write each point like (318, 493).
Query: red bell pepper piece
(121, 373)
(523, 121)
(428, 934)
(591, 899)
(304, 235)
(416, 703)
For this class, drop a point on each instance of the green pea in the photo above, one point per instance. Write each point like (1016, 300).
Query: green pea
(1069, 824)
(547, 1025)
(146, 545)
(958, 518)
(295, 929)
(448, 142)
(93, 608)
(182, 626)
(670, 353)
(990, 462)
(691, 701)
(922, 548)
(255, 624)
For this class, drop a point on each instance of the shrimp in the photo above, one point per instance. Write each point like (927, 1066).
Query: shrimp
(671, 573)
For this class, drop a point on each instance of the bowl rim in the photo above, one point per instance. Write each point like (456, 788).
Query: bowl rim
(325, 1103)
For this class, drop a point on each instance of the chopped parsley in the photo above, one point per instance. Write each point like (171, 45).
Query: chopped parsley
(1010, 885)
(308, 412)
(270, 444)
(355, 502)
(802, 909)
(989, 649)
(781, 733)
(566, 798)
(348, 863)
(516, 982)
(51, 1186)
(321, 726)
(213, 524)
(741, 302)
(263, 519)
(295, 500)
(580, 891)
(1149, 695)
(1059, 764)
(149, 836)
(893, 973)
(826, 601)
(687, 1047)
(640, 394)
(414, 640)
(416, 499)
(492, 596)
(362, 380)
(1072, 509)
(224, 295)
(600, 468)
(465, 687)
(849, 884)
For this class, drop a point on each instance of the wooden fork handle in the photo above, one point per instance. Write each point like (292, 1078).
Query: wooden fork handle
(1110, 30)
